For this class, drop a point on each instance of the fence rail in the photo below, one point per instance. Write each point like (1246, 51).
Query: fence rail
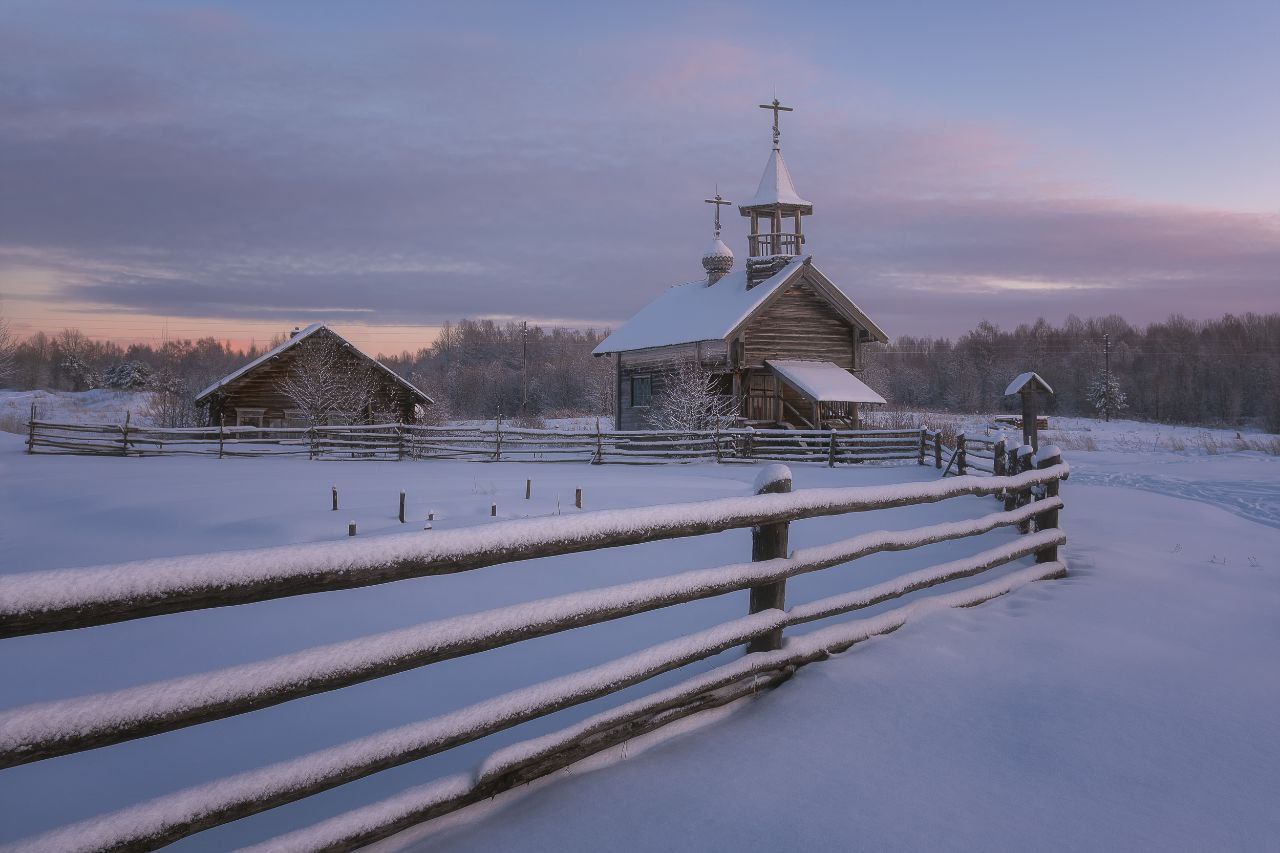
(500, 443)
(81, 598)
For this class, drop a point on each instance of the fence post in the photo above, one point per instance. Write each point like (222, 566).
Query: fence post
(400, 444)
(749, 445)
(997, 463)
(1048, 519)
(31, 430)
(222, 420)
(831, 450)
(1024, 495)
(402, 506)
(497, 439)
(1010, 468)
(717, 443)
(599, 457)
(923, 433)
(769, 542)
(960, 454)
(124, 435)
(937, 449)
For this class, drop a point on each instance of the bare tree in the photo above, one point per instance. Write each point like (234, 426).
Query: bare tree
(8, 352)
(325, 380)
(691, 400)
(170, 403)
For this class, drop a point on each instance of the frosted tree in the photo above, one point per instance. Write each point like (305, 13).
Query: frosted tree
(324, 381)
(691, 400)
(128, 376)
(1105, 395)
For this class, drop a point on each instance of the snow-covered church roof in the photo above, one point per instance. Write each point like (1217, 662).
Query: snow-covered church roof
(776, 186)
(698, 311)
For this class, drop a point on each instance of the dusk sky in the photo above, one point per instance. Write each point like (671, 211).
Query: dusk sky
(235, 169)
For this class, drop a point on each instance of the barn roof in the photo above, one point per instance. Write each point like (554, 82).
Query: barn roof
(698, 311)
(824, 382)
(298, 338)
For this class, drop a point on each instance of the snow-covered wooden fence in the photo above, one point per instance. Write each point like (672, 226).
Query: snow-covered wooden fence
(82, 598)
(488, 444)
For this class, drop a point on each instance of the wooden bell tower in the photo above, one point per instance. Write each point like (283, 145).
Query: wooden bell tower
(776, 212)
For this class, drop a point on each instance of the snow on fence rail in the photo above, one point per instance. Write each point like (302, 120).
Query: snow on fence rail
(411, 441)
(76, 598)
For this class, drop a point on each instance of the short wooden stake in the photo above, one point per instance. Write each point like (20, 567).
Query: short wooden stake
(402, 507)
(960, 454)
(335, 498)
(351, 528)
(937, 449)
(493, 510)
(769, 542)
(528, 489)
(577, 498)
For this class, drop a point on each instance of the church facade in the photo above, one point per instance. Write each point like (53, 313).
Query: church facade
(778, 336)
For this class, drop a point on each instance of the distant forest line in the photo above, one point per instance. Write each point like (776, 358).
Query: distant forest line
(1215, 372)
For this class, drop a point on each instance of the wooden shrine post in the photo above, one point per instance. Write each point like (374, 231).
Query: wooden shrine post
(1028, 387)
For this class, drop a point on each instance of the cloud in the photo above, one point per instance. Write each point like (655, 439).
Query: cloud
(201, 164)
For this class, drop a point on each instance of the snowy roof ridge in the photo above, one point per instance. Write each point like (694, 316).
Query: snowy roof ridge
(262, 359)
(695, 311)
(298, 338)
(776, 186)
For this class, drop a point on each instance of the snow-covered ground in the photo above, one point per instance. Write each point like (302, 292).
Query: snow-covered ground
(100, 406)
(1131, 705)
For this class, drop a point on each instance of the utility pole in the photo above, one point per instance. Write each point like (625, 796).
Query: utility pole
(1106, 374)
(524, 365)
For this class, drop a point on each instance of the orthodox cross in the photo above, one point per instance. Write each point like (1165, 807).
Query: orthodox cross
(777, 107)
(717, 201)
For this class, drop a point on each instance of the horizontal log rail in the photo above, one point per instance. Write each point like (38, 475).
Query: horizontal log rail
(39, 731)
(45, 601)
(62, 599)
(501, 442)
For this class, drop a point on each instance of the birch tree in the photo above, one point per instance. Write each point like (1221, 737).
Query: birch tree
(324, 380)
(691, 400)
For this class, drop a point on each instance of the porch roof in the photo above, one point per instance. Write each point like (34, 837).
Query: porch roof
(824, 382)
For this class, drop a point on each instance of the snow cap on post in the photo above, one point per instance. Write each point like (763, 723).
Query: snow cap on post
(771, 478)
(1049, 451)
(1029, 381)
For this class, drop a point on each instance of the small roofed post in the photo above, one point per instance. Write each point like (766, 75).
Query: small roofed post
(1028, 386)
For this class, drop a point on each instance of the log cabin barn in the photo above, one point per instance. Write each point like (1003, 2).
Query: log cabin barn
(252, 396)
(779, 336)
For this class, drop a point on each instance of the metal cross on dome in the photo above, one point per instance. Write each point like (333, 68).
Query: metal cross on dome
(717, 201)
(777, 107)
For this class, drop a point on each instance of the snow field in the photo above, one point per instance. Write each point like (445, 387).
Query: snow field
(84, 511)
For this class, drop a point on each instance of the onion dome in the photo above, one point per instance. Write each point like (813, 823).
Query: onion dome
(717, 259)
